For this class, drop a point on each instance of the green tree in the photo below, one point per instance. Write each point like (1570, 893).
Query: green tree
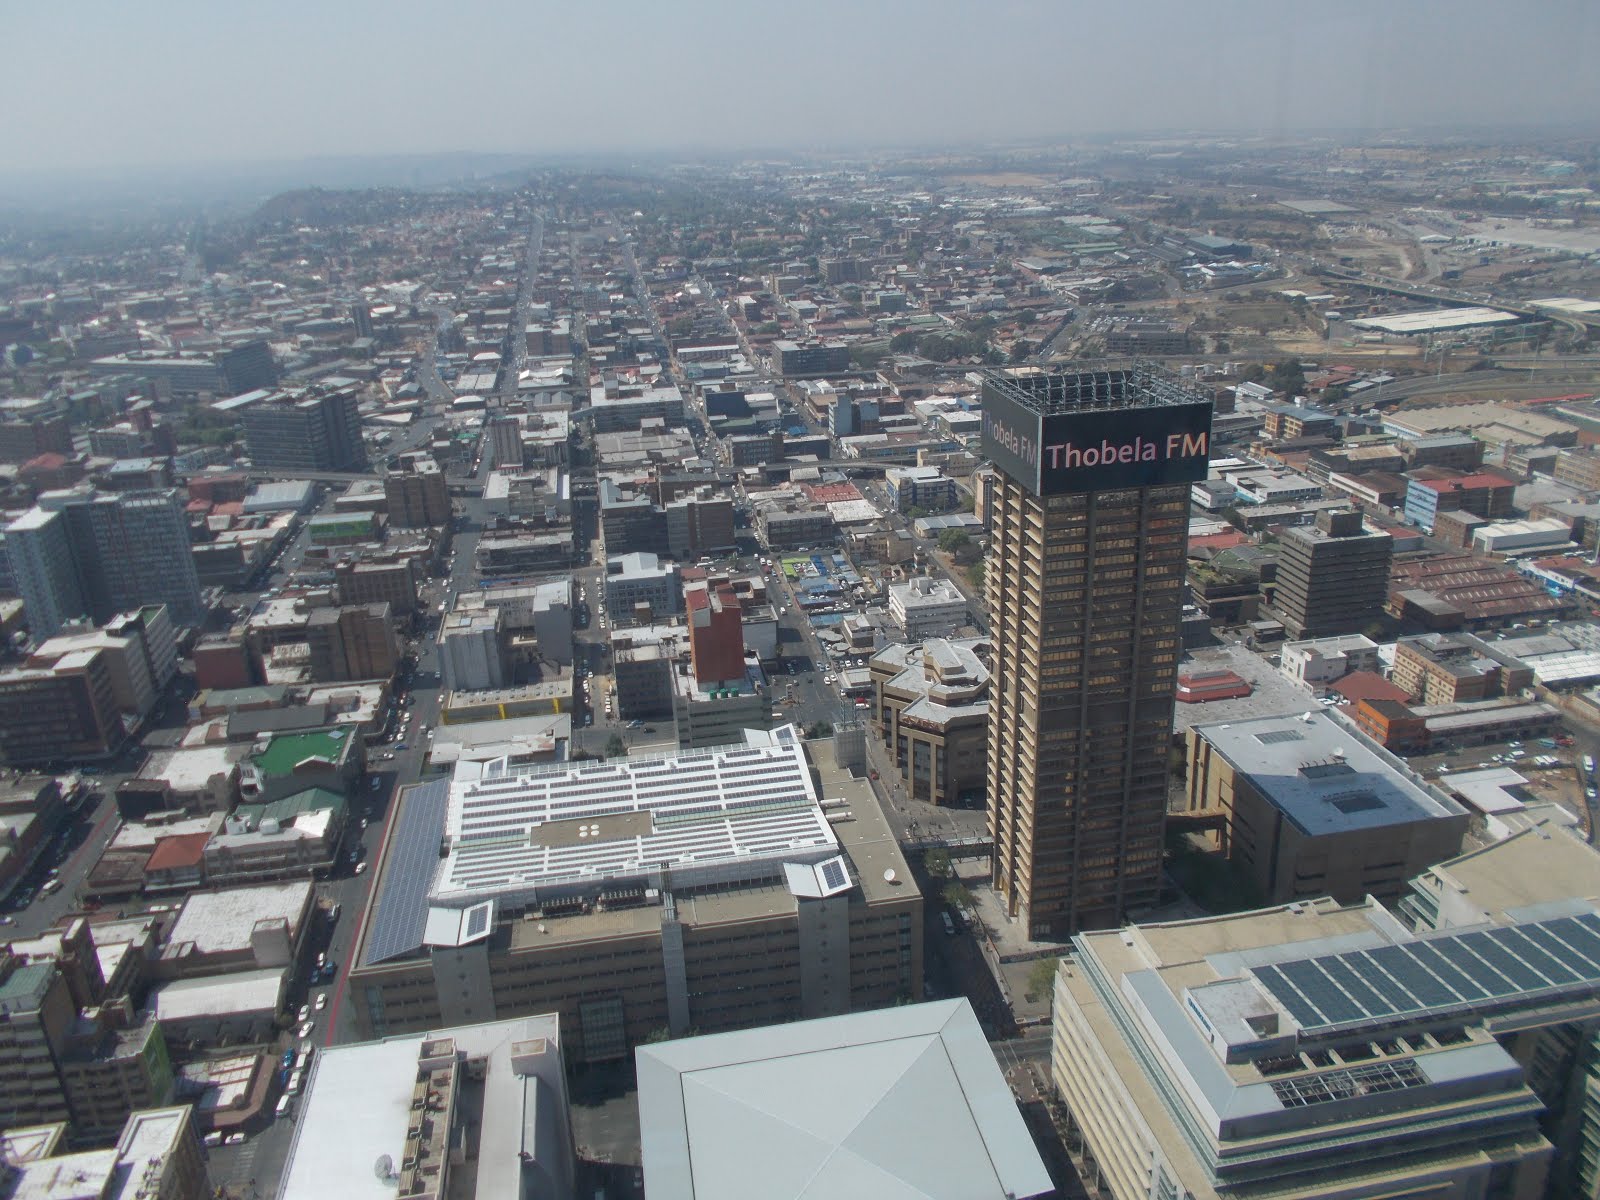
(937, 863)
(975, 572)
(1041, 980)
(903, 342)
(954, 541)
(615, 747)
(1286, 376)
(957, 895)
(819, 729)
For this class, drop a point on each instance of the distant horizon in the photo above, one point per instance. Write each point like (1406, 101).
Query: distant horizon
(1533, 129)
(188, 85)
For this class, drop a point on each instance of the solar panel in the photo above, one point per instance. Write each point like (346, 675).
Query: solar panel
(1558, 950)
(1447, 972)
(1346, 976)
(477, 920)
(1396, 997)
(1280, 987)
(402, 911)
(1458, 984)
(1581, 933)
(1316, 987)
(1520, 973)
(1420, 986)
(833, 873)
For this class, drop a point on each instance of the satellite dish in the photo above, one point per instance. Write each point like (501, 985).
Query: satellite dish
(888, 875)
(384, 1167)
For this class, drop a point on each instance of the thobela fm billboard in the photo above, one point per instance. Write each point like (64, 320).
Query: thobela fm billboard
(1097, 449)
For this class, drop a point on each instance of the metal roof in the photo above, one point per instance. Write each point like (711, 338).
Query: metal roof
(902, 1102)
(401, 914)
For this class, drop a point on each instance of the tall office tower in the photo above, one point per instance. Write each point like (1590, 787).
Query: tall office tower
(311, 429)
(131, 549)
(46, 575)
(1085, 576)
(1332, 578)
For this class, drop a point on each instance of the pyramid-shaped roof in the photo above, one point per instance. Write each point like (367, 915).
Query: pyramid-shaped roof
(903, 1103)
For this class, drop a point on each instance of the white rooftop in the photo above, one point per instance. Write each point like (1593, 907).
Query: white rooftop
(218, 995)
(357, 1106)
(219, 922)
(1435, 319)
(706, 814)
(898, 1104)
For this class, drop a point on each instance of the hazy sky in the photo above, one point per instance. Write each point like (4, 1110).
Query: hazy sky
(109, 83)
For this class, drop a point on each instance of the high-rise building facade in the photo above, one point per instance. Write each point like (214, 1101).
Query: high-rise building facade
(314, 429)
(131, 549)
(417, 495)
(45, 573)
(1084, 583)
(86, 553)
(1332, 577)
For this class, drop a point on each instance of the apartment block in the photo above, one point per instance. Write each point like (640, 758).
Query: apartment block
(1449, 668)
(417, 495)
(353, 641)
(1333, 577)
(66, 710)
(301, 429)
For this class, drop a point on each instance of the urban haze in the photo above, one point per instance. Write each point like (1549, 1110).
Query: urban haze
(716, 601)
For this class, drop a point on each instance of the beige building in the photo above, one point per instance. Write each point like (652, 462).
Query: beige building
(931, 703)
(1311, 808)
(1447, 668)
(1311, 1051)
(703, 891)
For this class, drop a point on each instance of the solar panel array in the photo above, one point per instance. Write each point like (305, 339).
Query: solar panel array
(402, 912)
(477, 920)
(1456, 971)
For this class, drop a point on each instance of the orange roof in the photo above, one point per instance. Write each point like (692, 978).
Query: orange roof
(1368, 685)
(179, 850)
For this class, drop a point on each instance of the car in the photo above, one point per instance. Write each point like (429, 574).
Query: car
(307, 1028)
(375, 785)
(403, 746)
(8, 920)
(214, 1138)
(321, 1002)
(321, 959)
(360, 868)
(304, 1013)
